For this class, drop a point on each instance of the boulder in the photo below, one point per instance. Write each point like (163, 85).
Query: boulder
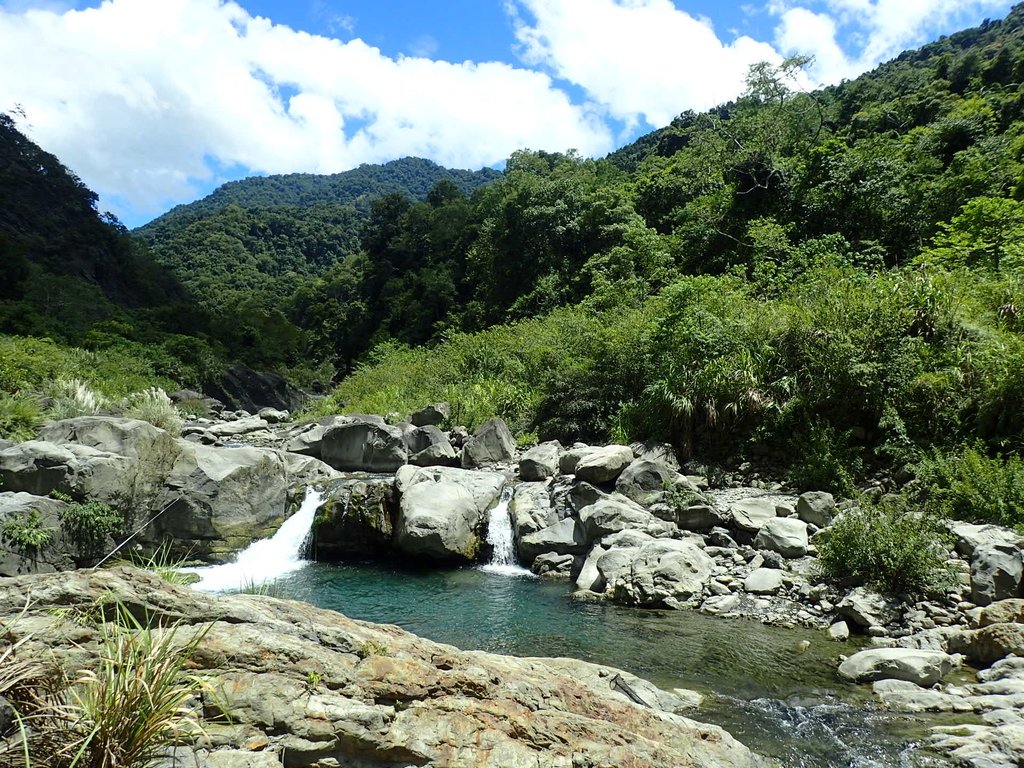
(785, 535)
(589, 578)
(990, 643)
(867, 608)
(840, 631)
(996, 572)
(432, 415)
(551, 565)
(438, 521)
(568, 459)
(242, 388)
(693, 517)
(566, 537)
(23, 511)
(816, 508)
(924, 668)
(274, 415)
(429, 447)
(356, 520)
(540, 462)
(648, 482)
(387, 698)
(238, 427)
(1002, 612)
(359, 444)
(492, 443)
(751, 514)
(603, 465)
(970, 537)
(660, 453)
(763, 581)
(531, 509)
(485, 487)
(608, 515)
(662, 572)
(38, 467)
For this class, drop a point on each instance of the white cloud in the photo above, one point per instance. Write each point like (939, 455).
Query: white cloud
(855, 35)
(637, 58)
(142, 98)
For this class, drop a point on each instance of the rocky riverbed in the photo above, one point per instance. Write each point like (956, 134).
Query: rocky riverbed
(620, 523)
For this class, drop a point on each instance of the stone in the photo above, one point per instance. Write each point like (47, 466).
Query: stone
(433, 415)
(540, 462)
(816, 508)
(492, 443)
(590, 577)
(662, 572)
(56, 554)
(1002, 612)
(751, 514)
(552, 565)
(438, 521)
(840, 631)
(647, 482)
(531, 509)
(784, 535)
(388, 698)
(996, 572)
(608, 515)
(721, 605)
(867, 608)
(970, 537)
(566, 537)
(484, 486)
(763, 581)
(238, 427)
(920, 667)
(603, 465)
(990, 643)
(661, 453)
(273, 415)
(568, 460)
(429, 447)
(356, 520)
(358, 444)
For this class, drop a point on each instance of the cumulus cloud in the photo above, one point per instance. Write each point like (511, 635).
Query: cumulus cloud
(848, 37)
(637, 58)
(142, 99)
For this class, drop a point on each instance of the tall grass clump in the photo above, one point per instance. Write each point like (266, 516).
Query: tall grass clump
(20, 416)
(70, 398)
(889, 545)
(153, 405)
(134, 704)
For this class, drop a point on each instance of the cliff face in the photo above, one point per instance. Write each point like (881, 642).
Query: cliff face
(305, 686)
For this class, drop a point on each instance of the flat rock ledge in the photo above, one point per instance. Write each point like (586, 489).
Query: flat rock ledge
(309, 687)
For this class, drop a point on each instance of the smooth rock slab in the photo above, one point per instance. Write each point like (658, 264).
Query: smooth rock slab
(750, 515)
(604, 465)
(920, 667)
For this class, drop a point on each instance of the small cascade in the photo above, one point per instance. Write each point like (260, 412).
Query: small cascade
(266, 559)
(501, 539)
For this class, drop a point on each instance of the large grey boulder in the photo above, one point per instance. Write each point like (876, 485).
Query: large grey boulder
(660, 453)
(661, 572)
(785, 535)
(429, 447)
(566, 537)
(750, 515)
(996, 572)
(970, 537)
(483, 486)
(608, 515)
(867, 608)
(816, 508)
(238, 427)
(649, 482)
(438, 521)
(356, 519)
(492, 443)
(360, 444)
(432, 415)
(924, 668)
(763, 581)
(531, 509)
(123, 437)
(569, 458)
(604, 465)
(589, 578)
(540, 462)
(989, 643)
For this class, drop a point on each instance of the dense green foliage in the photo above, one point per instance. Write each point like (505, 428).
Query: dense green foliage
(88, 526)
(887, 545)
(969, 485)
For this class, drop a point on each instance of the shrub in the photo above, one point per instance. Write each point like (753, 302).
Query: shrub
(889, 545)
(73, 397)
(26, 532)
(153, 405)
(968, 485)
(824, 461)
(88, 524)
(20, 417)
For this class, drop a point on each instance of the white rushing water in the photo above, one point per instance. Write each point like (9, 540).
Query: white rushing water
(500, 537)
(266, 559)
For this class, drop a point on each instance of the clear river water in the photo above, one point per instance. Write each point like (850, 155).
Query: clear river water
(765, 685)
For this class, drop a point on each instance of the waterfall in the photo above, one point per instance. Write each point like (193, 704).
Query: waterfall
(501, 539)
(266, 559)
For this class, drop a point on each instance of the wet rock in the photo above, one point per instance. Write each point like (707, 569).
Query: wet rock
(356, 520)
(540, 462)
(922, 668)
(492, 443)
(552, 565)
(603, 465)
(590, 577)
(662, 572)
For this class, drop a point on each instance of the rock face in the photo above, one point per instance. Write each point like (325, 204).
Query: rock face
(384, 697)
(355, 521)
(915, 666)
(242, 388)
(363, 444)
(492, 443)
(604, 465)
(439, 521)
(24, 509)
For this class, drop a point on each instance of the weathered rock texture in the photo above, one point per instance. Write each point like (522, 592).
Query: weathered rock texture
(310, 687)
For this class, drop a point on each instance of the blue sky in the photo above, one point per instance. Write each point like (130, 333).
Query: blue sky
(155, 102)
